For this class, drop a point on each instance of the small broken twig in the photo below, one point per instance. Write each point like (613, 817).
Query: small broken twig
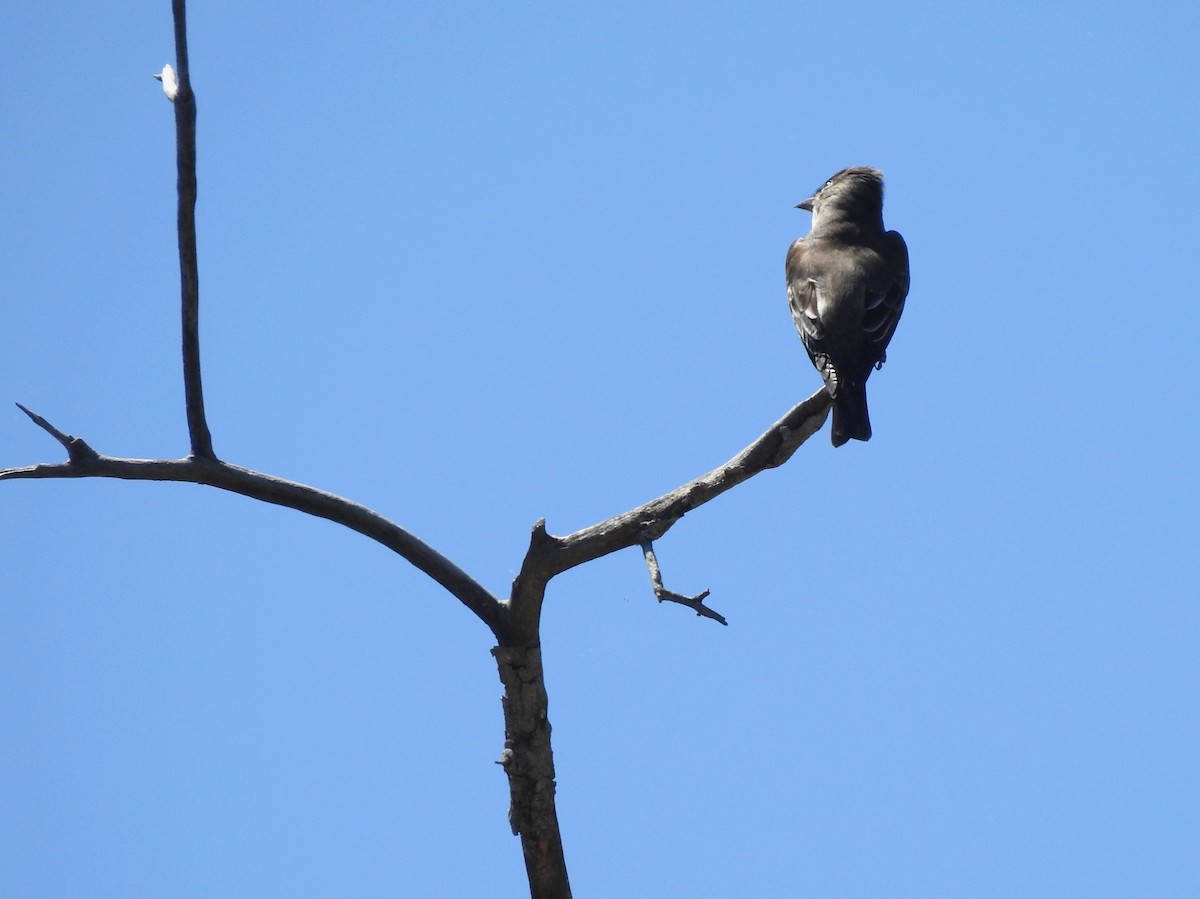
(77, 448)
(695, 603)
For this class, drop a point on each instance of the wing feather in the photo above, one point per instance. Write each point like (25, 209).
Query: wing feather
(885, 303)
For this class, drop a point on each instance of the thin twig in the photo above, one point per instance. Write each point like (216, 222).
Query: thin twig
(696, 603)
(189, 268)
(77, 448)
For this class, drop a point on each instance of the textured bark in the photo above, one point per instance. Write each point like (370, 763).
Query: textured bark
(529, 763)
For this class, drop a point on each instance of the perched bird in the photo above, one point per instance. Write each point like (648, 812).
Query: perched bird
(170, 85)
(846, 283)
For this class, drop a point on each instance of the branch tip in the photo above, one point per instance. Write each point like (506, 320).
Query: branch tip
(77, 448)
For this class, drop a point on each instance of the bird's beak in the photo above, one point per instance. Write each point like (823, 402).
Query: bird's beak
(807, 205)
(158, 75)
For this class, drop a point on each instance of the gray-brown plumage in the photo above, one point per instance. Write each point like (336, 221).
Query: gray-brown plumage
(846, 282)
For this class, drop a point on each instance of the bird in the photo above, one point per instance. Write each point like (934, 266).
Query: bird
(846, 282)
(170, 85)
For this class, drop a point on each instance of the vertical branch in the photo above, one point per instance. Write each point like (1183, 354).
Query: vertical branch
(189, 270)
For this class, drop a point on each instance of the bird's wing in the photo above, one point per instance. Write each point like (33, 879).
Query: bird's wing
(802, 289)
(802, 294)
(885, 302)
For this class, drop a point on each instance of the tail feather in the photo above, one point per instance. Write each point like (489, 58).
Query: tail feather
(850, 419)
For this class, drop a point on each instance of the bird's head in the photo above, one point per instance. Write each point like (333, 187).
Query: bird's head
(855, 193)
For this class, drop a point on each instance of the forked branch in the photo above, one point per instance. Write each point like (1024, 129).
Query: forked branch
(549, 555)
(528, 760)
(664, 595)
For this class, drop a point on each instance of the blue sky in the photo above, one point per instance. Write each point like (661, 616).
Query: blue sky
(475, 265)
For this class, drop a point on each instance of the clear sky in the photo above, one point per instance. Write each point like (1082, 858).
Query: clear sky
(476, 264)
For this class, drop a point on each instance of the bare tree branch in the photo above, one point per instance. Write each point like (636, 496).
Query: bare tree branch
(87, 463)
(189, 267)
(695, 603)
(528, 758)
(549, 555)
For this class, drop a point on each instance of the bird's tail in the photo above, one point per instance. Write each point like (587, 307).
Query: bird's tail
(850, 419)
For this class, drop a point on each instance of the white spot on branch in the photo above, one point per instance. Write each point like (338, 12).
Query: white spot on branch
(170, 85)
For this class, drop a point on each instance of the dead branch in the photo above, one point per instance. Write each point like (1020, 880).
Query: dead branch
(189, 266)
(696, 603)
(85, 462)
(549, 555)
